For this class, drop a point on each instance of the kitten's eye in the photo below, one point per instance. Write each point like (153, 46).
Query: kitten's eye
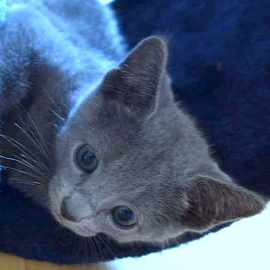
(86, 159)
(124, 216)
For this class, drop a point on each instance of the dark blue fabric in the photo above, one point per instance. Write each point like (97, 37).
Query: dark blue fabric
(220, 65)
(232, 106)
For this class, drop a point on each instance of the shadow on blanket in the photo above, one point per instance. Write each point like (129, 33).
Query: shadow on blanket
(220, 64)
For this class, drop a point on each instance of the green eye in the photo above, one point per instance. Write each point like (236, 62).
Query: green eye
(124, 216)
(86, 159)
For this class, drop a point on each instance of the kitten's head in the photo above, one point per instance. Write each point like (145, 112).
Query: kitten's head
(131, 165)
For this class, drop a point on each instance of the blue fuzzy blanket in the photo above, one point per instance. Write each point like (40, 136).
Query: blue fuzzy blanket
(220, 64)
(3, 12)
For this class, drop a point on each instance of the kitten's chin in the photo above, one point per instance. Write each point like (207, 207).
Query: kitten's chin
(81, 228)
(81, 232)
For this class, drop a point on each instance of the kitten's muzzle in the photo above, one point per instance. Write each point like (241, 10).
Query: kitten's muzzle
(75, 208)
(71, 209)
(65, 213)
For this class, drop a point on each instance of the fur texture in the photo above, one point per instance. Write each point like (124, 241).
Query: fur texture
(159, 164)
(3, 12)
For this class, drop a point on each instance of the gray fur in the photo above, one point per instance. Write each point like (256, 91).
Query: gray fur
(152, 157)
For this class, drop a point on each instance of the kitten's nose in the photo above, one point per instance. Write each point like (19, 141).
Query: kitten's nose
(75, 208)
(65, 213)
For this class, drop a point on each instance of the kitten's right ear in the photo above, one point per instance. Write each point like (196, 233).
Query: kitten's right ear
(137, 81)
(211, 202)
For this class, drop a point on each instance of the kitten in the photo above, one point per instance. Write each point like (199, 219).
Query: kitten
(97, 137)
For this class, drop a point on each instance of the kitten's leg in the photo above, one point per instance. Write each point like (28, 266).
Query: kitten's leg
(26, 36)
(14, 62)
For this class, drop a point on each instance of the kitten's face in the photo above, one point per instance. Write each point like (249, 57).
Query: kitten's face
(132, 166)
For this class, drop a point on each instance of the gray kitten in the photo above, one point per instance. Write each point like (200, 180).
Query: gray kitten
(99, 141)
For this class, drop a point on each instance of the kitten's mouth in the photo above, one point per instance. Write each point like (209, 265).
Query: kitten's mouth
(81, 228)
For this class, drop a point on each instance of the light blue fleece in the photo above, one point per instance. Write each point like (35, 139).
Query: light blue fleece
(3, 11)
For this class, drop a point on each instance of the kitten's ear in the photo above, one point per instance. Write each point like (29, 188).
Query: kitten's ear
(137, 81)
(210, 202)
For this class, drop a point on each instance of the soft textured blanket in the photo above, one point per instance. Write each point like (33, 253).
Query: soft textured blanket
(3, 11)
(220, 64)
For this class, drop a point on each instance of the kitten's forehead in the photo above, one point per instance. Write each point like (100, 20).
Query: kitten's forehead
(111, 127)
(150, 149)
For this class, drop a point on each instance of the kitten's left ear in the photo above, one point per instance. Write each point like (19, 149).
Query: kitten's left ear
(137, 81)
(211, 202)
